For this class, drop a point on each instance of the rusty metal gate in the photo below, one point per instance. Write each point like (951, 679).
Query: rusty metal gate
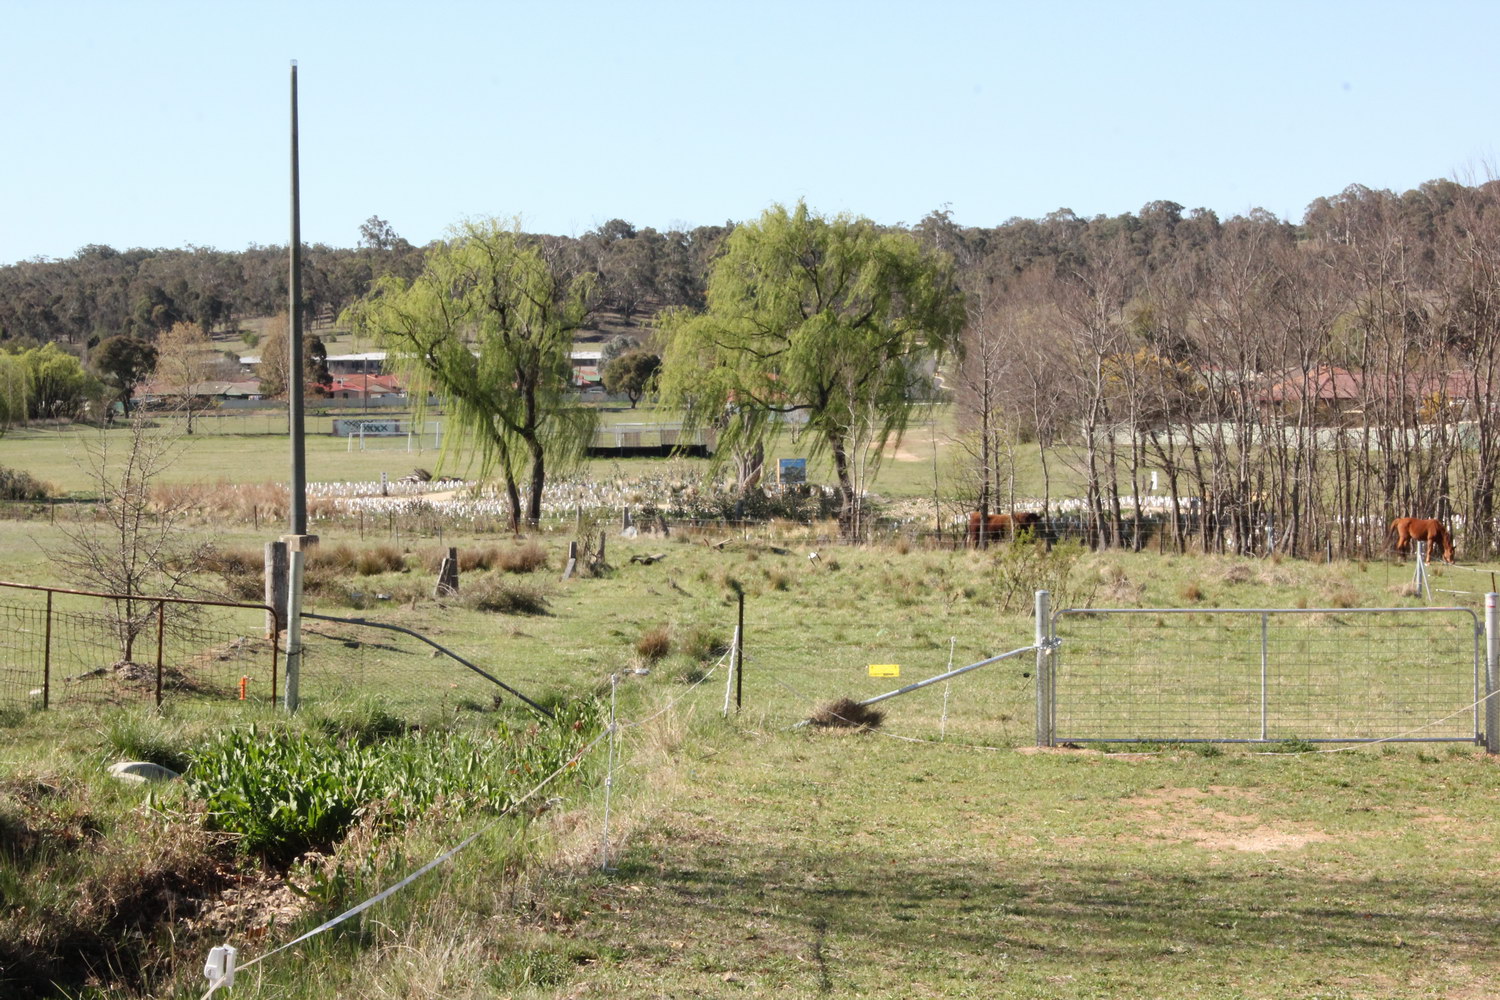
(62, 646)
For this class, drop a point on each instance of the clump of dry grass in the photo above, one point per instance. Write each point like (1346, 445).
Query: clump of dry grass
(367, 561)
(846, 713)
(1190, 591)
(493, 592)
(1237, 573)
(654, 644)
(523, 557)
(528, 557)
(238, 502)
(1340, 596)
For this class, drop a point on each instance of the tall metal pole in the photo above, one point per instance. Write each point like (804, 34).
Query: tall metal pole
(298, 506)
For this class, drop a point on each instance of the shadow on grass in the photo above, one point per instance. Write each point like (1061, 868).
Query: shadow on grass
(868, 919)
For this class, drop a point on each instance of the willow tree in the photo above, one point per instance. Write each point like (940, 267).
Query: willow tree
(828, 322)
(487, 327)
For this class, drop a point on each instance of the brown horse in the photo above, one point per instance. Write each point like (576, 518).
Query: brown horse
(998, 526)
(1422, 529)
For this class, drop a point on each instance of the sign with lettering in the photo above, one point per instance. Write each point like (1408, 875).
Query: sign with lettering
(885, 670)
(369, 428)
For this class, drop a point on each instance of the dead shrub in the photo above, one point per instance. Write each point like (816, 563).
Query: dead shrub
(654, 644)
(846, 713)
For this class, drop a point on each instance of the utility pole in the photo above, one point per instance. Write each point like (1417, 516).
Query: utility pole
(298, 505)
(284, 579)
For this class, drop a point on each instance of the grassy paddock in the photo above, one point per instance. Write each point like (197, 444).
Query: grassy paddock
(936, 857)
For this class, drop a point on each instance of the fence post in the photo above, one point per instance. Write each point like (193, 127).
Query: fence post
(1491, 673)
(447, 581)
(1265, 621)
(1424, 589)
(739, 655)
(1044, 734)
(161, 628)
(292, 697)
(276, 569)
(47, 658)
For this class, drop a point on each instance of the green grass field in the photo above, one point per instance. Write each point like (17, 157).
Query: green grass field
(252, 447)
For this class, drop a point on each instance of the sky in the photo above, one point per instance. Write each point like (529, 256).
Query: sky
(166, 124)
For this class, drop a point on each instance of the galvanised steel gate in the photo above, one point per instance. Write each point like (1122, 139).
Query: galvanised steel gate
(1263, 675)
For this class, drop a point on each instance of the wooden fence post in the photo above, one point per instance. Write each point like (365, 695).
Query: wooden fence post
(447, 581)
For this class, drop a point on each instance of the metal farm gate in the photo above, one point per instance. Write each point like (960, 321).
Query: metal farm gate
(1262, 675)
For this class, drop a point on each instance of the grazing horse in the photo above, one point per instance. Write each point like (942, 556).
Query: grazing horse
(1422, 529)
(1003, 525)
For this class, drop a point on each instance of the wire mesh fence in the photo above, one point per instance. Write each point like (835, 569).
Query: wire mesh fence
(349, 659)
(61, 647)
(1266, 674)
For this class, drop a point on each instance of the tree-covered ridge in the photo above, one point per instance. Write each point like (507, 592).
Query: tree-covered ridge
(101, 292)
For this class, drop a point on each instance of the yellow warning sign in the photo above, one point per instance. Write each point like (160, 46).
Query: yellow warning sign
(885, 670)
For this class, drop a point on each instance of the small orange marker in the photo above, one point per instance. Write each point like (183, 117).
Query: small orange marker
(244, 682)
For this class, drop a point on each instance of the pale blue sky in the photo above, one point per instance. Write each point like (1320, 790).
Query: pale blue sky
(164, 124)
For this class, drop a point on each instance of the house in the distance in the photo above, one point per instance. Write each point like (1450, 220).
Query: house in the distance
(363, 387)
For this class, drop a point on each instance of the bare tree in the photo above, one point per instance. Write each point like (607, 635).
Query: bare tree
(131, 543)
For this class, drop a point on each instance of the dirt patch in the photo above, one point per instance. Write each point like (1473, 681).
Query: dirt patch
(900, 454)
(1184, 815)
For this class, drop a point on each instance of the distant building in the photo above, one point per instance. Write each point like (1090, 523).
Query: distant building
(586, 368)
(367, 363)
(363, 387)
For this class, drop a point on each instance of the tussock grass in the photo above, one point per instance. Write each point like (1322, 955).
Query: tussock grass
(654, 644)
(523, 557)
(493, 592)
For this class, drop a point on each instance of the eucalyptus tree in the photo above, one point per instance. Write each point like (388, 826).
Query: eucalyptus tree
(124, 363)
(487, 326)
(832, 322)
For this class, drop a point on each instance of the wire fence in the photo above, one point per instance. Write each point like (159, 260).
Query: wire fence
(1266, 674)
(349, 658)
(62, 647)
(797, 663)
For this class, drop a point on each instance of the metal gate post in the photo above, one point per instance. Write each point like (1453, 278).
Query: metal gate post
(1491, 673)
(1044, 734)
(47, 657)
(1264, 622)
